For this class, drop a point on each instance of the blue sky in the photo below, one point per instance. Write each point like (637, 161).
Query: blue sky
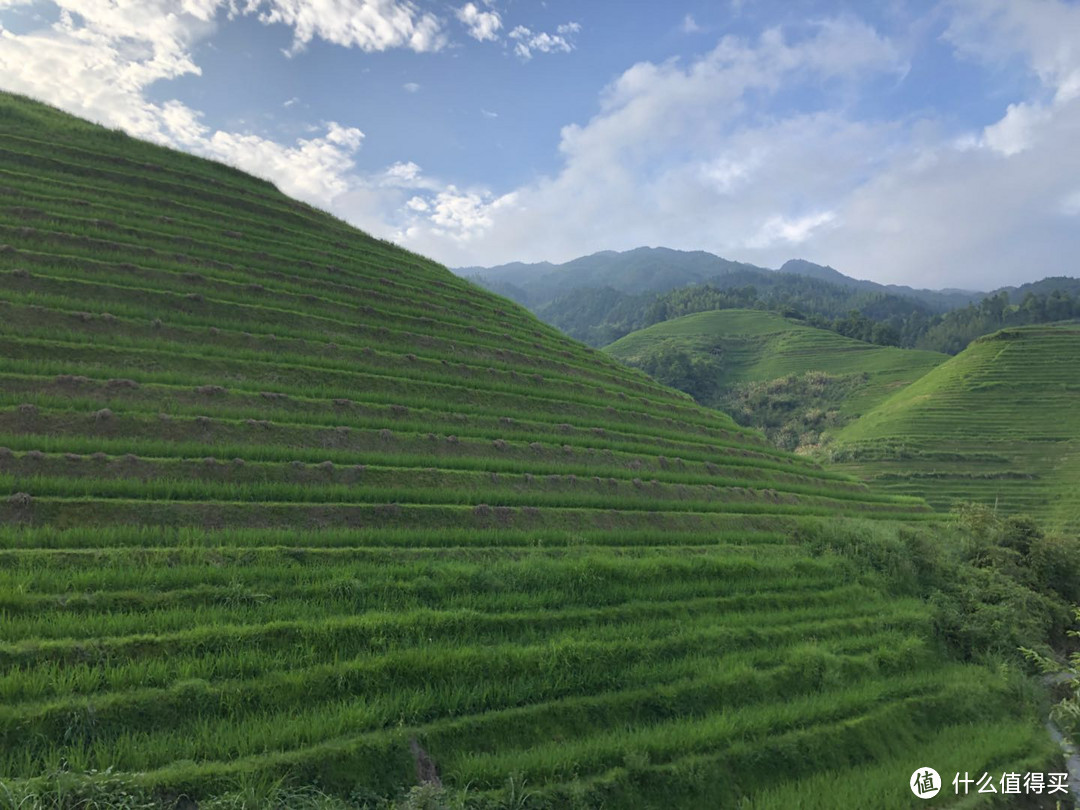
(929, 143)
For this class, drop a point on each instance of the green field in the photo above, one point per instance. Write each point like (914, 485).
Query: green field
(771, 371)
(283, 504)
(999, 423)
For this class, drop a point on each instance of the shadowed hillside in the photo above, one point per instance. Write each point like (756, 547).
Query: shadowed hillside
(299, 519)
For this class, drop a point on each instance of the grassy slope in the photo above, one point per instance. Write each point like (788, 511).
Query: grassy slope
(279, 497)
(761, 346)
(998, 423)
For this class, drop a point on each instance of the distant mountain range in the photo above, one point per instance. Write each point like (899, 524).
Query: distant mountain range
(604, 296)
(658, 270)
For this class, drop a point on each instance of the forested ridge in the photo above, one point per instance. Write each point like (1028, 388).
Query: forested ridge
(596, 305)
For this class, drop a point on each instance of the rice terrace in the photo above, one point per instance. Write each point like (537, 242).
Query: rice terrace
(292, 516)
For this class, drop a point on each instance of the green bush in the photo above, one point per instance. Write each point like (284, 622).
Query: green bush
(1054, 560)
(996, 584)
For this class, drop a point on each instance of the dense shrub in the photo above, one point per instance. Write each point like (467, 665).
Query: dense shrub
(997, 584)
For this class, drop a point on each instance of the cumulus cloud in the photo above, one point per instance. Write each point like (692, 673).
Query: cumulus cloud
(482, 25)
(402, 174)
(97, 59)
(997, 205)
(1040, 32)
(313, 169)
(670, 157)
(693, 155)
(463, 215)
(404, 204)
(528, 42)
(371, 25)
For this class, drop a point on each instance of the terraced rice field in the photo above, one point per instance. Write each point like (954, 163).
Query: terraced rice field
(755, 346)
(282, 501)
(998, 424)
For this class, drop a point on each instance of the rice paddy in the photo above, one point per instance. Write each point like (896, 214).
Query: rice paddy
(283, 504)
(996, 424)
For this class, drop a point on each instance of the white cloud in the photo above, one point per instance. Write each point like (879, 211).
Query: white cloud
(1041, 32)
(489, 114)
(410, 87)
(693, 156)
(779, 230)
(690, 26)
(729, 174)
(97, 60)
(314, 169)
(371, 25)
(465, 215)
(528, 42)
(983, 208)
(482, 25)
(400, 174)
(670, 158)
(962, 217)
(1017, 130)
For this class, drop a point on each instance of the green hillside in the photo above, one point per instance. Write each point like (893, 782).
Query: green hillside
(776, 373)
(293, 518)
(999, 423)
